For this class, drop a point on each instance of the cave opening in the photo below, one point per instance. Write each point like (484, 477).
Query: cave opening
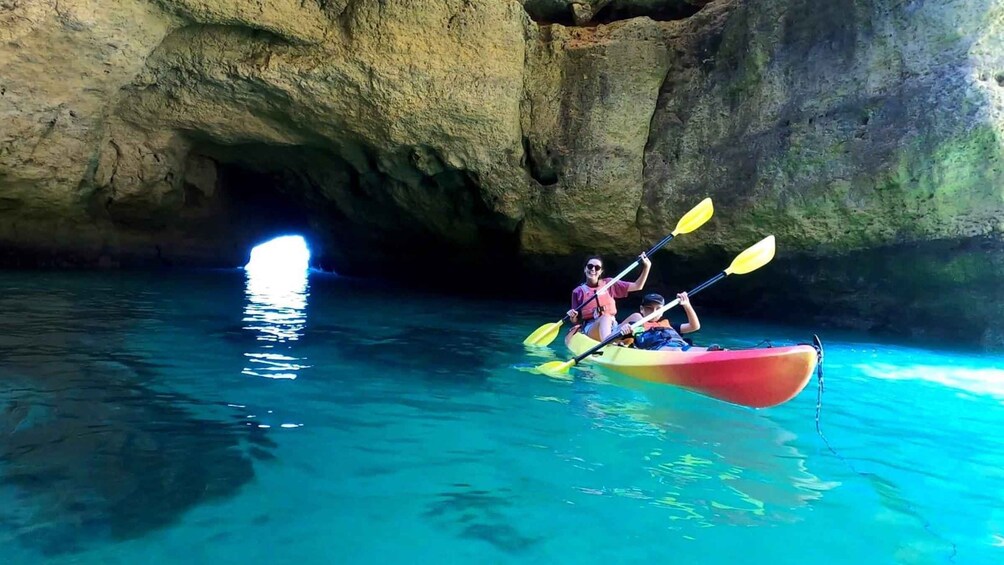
(262, 211)
(283, 254)
(380, 217)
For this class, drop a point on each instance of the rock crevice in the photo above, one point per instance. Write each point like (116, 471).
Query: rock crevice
(594, 12)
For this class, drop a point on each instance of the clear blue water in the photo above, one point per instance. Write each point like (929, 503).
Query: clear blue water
(203, 418)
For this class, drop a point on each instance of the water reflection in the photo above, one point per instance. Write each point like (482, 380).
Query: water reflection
(707, 470)
(276, 310)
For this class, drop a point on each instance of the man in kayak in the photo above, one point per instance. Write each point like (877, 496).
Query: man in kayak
(598, 315)
(659, 333)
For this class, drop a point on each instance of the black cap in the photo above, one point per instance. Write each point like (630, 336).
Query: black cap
(653, 298)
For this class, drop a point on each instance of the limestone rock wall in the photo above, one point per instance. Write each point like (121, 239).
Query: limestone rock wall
(472, 131)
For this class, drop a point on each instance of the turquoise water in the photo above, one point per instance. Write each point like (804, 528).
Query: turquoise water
(204, 418)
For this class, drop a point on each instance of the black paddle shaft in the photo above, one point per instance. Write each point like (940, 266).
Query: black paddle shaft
(660, 245)
(707, 283)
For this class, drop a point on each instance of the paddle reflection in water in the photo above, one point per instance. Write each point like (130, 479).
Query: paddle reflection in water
(707, 469)
(276, 309)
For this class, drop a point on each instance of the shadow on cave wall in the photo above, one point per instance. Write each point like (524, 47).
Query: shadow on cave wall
(929, 291)
(914, 290)
(592, 12)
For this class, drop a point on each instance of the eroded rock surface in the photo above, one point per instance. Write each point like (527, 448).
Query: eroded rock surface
(473, 132)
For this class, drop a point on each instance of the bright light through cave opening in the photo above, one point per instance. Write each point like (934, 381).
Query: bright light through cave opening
(276, 307)
(284, 254)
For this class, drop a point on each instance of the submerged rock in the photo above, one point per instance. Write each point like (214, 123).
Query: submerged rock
(94, 445)
(111, 460)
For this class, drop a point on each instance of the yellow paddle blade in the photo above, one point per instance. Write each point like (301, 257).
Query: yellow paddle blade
(555, 367)
(753, 258)
(543, 335)
(695, 218)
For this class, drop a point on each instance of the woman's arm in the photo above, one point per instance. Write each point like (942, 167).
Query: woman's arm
(646, 264)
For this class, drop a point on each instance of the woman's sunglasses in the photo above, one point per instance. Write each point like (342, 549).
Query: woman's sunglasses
(593, 267)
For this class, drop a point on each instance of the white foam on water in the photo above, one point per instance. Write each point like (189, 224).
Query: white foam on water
(976, 380)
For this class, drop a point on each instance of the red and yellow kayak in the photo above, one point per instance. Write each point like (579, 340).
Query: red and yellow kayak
(749, 377)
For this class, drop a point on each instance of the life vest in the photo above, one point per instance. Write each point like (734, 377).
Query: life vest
(663, 323)
(661, 337)
(646, 326)
(604, 304)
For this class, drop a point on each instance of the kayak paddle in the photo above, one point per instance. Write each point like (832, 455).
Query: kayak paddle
(749, 260)
(692, 220)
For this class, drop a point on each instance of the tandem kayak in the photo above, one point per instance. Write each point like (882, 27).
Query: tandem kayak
(757, 378)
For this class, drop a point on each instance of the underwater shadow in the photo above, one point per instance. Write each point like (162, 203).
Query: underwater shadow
(90, 456)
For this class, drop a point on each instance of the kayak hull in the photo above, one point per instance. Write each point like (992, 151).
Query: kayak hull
(758, 378)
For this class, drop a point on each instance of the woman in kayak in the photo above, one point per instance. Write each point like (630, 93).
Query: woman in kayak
(598, 316)
(659, 333)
